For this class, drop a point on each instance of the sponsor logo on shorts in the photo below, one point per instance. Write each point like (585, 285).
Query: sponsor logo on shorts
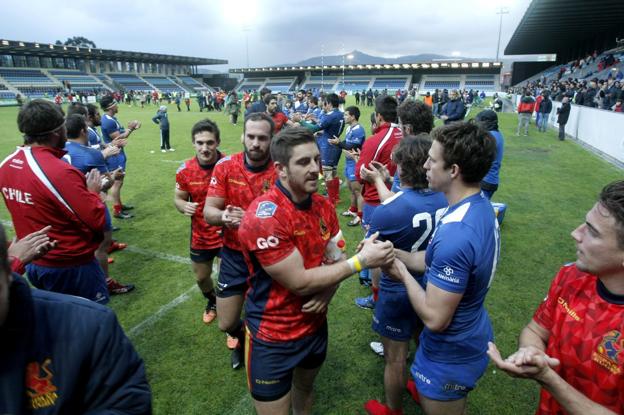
(270, 242)
(454, 387)
(266, 381)
(422, 378)
(266, 209)
(393, 329)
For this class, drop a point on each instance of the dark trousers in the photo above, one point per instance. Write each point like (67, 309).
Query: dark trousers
(562, 132)
(164, 140)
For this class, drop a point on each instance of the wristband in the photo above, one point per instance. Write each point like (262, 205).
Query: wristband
(354, 263)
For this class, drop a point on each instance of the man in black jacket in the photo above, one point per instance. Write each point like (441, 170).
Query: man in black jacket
(563, 113)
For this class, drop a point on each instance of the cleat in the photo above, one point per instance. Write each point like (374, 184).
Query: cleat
(237, 358)
(365, 302)
(411, 388)
(123, 215)
(348, 213)
(374, 407)
(117, 246)
(110, 259)
(231, 342)
(115, 287)
(356, 221)
(209, 316)
(127, 207)
(377, 348)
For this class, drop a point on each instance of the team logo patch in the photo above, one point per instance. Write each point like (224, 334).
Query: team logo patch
(324, 230)
(266, 186)
(609, 354)
(40, 390)
(213, 181)
(266, 209)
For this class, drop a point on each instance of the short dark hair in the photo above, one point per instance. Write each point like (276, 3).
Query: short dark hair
(77, 108)
(612, 198)
(468, 145)
(268, 98)
(286, 140)
(91, 110)
(75, 123)
(411, 154)
(354, 111)
(37, 119)
(314, 100)
(264, 91)
(386, 106)
(106, 102)
(416, 114)
(259, 116)
(332, 99)
(206, 125)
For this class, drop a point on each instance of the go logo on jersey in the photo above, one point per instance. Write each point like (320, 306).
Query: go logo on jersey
(270, 242)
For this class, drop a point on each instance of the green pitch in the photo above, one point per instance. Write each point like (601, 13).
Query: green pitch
(548, 186)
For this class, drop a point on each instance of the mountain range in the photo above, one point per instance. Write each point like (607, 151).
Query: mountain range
(361, 58)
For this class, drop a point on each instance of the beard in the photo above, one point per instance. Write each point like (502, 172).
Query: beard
(256, 155)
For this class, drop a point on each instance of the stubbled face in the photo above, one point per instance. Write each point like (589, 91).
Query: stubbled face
(301, 174)
(597, 249)
(272, 107)
(257, 141)
(438, 176)
(205, 144)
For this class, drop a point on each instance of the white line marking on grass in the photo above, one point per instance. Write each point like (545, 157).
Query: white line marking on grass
(148, 322)
(159, 255)
(172, 161)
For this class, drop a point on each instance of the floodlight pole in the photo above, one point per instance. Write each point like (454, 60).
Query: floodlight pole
(322, 67)
(501, 11)
(246, 29)
(343, 67)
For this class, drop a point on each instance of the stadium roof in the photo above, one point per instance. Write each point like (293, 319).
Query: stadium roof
(14, 47)
(568, 28)
(392, 67)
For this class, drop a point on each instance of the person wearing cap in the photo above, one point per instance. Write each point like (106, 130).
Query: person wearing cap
(162, 119)
(112, 133)
(489, 120)
(40, 190)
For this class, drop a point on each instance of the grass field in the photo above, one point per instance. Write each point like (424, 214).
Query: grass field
(548, 186)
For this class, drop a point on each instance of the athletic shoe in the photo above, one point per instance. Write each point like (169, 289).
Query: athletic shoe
(236, 358)
(231, 342)
(365, 280)
(411, 388)
(356, 221)
(117, 246)
(348, 213)
(110, 260)
(374, 407)
(123, 215)
(365, 302)
(127, 207)
(209, 316)
(115, 229)
(377, 348)
(163, 151)
(114, 287)
(172, 149)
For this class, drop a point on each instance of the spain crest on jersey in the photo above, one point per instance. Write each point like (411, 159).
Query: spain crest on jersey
(40, 390)
(325, 234)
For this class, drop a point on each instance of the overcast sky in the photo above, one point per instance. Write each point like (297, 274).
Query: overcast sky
(278, 31)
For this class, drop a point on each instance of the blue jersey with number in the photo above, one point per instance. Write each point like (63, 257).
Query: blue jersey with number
(407, 219)
(461, 258)
(331, 123)
(84, 158)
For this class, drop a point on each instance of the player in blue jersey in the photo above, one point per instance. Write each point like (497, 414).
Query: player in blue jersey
(354, 139)
(85, 159)
(314, 111)
(330, 125)
(460, 262)
(407, 219)
(112, 130)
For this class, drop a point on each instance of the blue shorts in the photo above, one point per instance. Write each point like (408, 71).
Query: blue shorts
(113, 162)
(270, 365)
(233, 273)
(108, 224)
(446, 381)
(87, 281)
(394, 317)
(367, 214)
(349, 170)
(330, 154)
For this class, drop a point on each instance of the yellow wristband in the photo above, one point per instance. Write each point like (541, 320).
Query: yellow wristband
(355, 264)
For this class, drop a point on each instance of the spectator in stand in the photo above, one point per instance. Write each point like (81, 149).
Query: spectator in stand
(563, 113)
(544, 109)
(525, 110)
(590, 94)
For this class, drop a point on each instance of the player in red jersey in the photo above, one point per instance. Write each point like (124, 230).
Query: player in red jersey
(574, 345)
(192, 179)
(279, 118)
(285, 235)
(236, 181)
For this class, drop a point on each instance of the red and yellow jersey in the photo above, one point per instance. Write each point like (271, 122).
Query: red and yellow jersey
(271, 230)
(239, 184)
(194, 179)
(586, 325)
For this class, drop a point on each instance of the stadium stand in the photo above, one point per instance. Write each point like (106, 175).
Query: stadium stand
(129, 81)
(392, 84)
(352, 84)
(31, 82)
(280, 84)
(327, 83)
(79, 81)
(251, 84)
(193, 84)
(163, 84)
